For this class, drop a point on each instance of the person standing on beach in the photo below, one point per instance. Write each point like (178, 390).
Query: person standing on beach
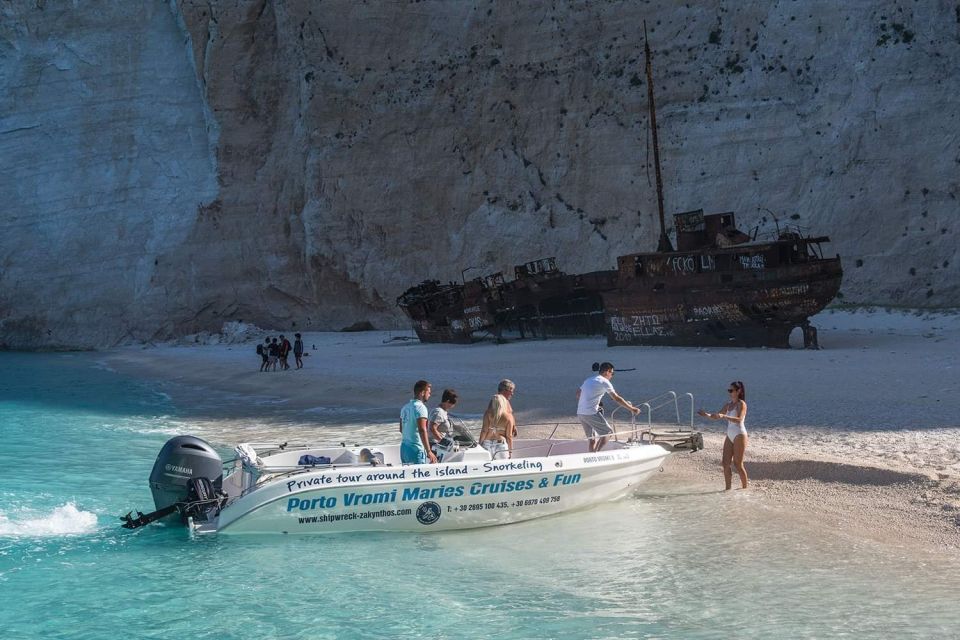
(415, 445)
(272, 352)
(298, 350)
(263, 351)
(283, 353)
(499, 425)
(735, 443)
(588, 406)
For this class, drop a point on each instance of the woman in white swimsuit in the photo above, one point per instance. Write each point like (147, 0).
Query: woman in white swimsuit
(735, 444)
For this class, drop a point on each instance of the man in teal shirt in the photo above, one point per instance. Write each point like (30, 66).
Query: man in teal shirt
(415, 446)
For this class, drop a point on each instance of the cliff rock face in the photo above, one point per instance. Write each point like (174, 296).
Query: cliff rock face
(170, 166)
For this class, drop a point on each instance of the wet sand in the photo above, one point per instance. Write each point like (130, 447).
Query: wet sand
(862, 436)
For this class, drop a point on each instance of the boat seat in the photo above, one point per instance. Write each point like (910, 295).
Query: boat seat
(248, 456)
(251, 466)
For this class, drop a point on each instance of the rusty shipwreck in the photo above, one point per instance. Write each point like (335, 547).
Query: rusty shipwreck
(453, 312)
(718, 287)
(721, 288)
(540, 301)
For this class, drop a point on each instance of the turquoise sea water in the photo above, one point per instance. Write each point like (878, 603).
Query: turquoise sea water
(672, 562)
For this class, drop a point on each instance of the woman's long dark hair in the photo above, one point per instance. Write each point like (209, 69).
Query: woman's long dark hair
(740, 389)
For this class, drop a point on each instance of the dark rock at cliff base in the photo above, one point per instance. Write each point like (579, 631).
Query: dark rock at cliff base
(363, 325)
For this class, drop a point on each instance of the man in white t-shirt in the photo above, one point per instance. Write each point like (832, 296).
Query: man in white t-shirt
(595, 426)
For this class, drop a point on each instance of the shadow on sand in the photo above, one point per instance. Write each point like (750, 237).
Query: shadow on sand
(831, 472)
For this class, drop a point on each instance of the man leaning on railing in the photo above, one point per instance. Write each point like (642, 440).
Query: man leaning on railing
(595, 425)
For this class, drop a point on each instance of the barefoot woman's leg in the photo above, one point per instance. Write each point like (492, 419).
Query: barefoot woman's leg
(739, 447)
(727, 458)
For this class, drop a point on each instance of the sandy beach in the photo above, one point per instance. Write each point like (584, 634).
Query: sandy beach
(861, 437)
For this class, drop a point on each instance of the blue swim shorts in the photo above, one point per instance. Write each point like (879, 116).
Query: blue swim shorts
(412, 454)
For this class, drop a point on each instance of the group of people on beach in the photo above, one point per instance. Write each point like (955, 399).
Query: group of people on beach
(424, 433)
(276, 351)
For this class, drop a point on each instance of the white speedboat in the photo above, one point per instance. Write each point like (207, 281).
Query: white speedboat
(284, 488)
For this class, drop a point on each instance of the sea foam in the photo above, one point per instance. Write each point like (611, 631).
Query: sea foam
(63, 520)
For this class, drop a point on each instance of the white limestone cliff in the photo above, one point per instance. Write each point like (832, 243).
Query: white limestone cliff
(297, 164)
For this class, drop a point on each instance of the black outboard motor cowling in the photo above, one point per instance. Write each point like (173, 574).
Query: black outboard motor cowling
(182, 459)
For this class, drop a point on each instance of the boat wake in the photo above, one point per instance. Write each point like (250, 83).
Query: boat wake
(64, 520)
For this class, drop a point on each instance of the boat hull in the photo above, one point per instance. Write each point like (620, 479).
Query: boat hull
(441, 496)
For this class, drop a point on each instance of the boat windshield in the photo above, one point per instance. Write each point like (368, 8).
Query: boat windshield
(461, 435)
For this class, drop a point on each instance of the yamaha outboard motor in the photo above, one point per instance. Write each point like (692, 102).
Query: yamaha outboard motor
(186, 480)
(181, 460)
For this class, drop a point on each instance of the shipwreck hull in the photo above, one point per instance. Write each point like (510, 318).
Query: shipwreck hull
(456, 325)
(452, 313)
(721, 288)
(745, 308)
(427, 332)
(581, 316)
(435, 310)
(559, 305)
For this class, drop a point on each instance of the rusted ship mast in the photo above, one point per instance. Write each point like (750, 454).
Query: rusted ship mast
(663, 243)
(718, 288)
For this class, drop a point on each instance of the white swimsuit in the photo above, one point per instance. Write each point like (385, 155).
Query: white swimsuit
(735, 427)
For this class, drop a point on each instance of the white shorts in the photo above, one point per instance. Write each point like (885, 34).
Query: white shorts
(595, 425)
(498, 449)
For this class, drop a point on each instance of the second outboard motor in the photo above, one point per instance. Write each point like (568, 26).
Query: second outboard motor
(181, 460)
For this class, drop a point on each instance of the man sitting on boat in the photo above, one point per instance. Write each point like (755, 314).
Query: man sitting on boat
(415, 446)
(499, 425)
(588, 407)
